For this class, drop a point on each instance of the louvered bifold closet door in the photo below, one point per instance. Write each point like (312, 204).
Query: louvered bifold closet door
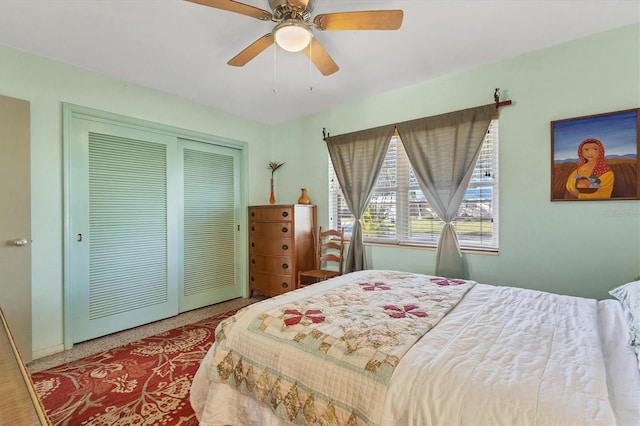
(128, 277)
(211, 206)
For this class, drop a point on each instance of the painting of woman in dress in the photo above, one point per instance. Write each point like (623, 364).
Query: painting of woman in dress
(596, 157)
(593, 178)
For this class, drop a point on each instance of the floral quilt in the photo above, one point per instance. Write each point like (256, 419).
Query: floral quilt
(328, 356)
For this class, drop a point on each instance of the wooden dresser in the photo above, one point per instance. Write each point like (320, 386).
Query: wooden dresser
(281, 243)
(19, 404)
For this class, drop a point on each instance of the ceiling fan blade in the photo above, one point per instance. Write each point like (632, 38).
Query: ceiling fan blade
(364, 20)
(321, 58)
(251, 51)
(234, 6)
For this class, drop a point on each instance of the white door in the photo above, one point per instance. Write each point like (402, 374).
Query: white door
(15, 220)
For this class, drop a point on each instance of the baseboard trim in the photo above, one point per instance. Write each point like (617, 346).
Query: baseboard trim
(48, 351)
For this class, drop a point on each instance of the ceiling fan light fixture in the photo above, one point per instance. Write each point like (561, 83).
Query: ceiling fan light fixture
(292, 35)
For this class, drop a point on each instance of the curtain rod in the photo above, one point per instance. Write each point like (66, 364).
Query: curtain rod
(496, 98)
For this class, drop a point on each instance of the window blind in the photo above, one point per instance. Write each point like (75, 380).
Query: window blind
(398, 212)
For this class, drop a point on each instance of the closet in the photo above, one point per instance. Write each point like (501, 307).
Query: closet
(153, 214)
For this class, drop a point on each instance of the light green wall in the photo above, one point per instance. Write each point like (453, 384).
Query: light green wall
(46, 84)
(576, 248)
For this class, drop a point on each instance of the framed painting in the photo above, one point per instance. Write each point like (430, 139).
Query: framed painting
(596, 157)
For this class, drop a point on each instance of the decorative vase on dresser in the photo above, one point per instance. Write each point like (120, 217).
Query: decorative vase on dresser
(304, 197)
(281, 243)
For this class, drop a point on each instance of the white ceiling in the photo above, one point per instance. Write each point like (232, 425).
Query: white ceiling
(182, 48)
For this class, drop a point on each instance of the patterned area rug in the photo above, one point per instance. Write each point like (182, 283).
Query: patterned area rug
(142, 383)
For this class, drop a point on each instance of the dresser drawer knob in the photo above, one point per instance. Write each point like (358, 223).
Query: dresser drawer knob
(285, 285)
(253, 214)
(253, 244)
(253, 228)
(285, 247)
(253, 278)
(285, 266)
(253, 261)
(285, 229)
(285, 214)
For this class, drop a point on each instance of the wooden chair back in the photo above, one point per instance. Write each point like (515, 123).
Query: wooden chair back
(330, 249)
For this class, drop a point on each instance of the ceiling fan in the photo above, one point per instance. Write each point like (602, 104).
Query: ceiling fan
(292, 31)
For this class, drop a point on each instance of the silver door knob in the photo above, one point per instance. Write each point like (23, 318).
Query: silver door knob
(20, 243)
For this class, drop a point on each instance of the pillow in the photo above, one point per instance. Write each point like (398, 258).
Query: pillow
(629, 295)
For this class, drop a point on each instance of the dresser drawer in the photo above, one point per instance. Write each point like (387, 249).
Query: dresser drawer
(270, 229)
(271, 213)
(271, 264)
(270, 285)
(270, 246)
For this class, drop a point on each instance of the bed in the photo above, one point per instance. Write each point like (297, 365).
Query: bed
(397, 348)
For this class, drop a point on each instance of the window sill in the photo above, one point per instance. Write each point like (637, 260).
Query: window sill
(490, 252)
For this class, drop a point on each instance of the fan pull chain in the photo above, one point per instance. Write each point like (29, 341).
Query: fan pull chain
(310, 56)
(275, 68)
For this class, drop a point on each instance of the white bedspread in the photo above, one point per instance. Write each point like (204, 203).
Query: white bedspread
(501, 356)
(506, 356)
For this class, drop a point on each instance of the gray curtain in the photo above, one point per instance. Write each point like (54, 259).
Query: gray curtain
(357, 159)
(443, 151)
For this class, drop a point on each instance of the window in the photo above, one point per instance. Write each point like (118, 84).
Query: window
(398, 212)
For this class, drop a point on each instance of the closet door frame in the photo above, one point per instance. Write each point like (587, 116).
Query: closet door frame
(70, 114)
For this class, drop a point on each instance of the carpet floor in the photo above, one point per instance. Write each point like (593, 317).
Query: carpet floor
(144, 381)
